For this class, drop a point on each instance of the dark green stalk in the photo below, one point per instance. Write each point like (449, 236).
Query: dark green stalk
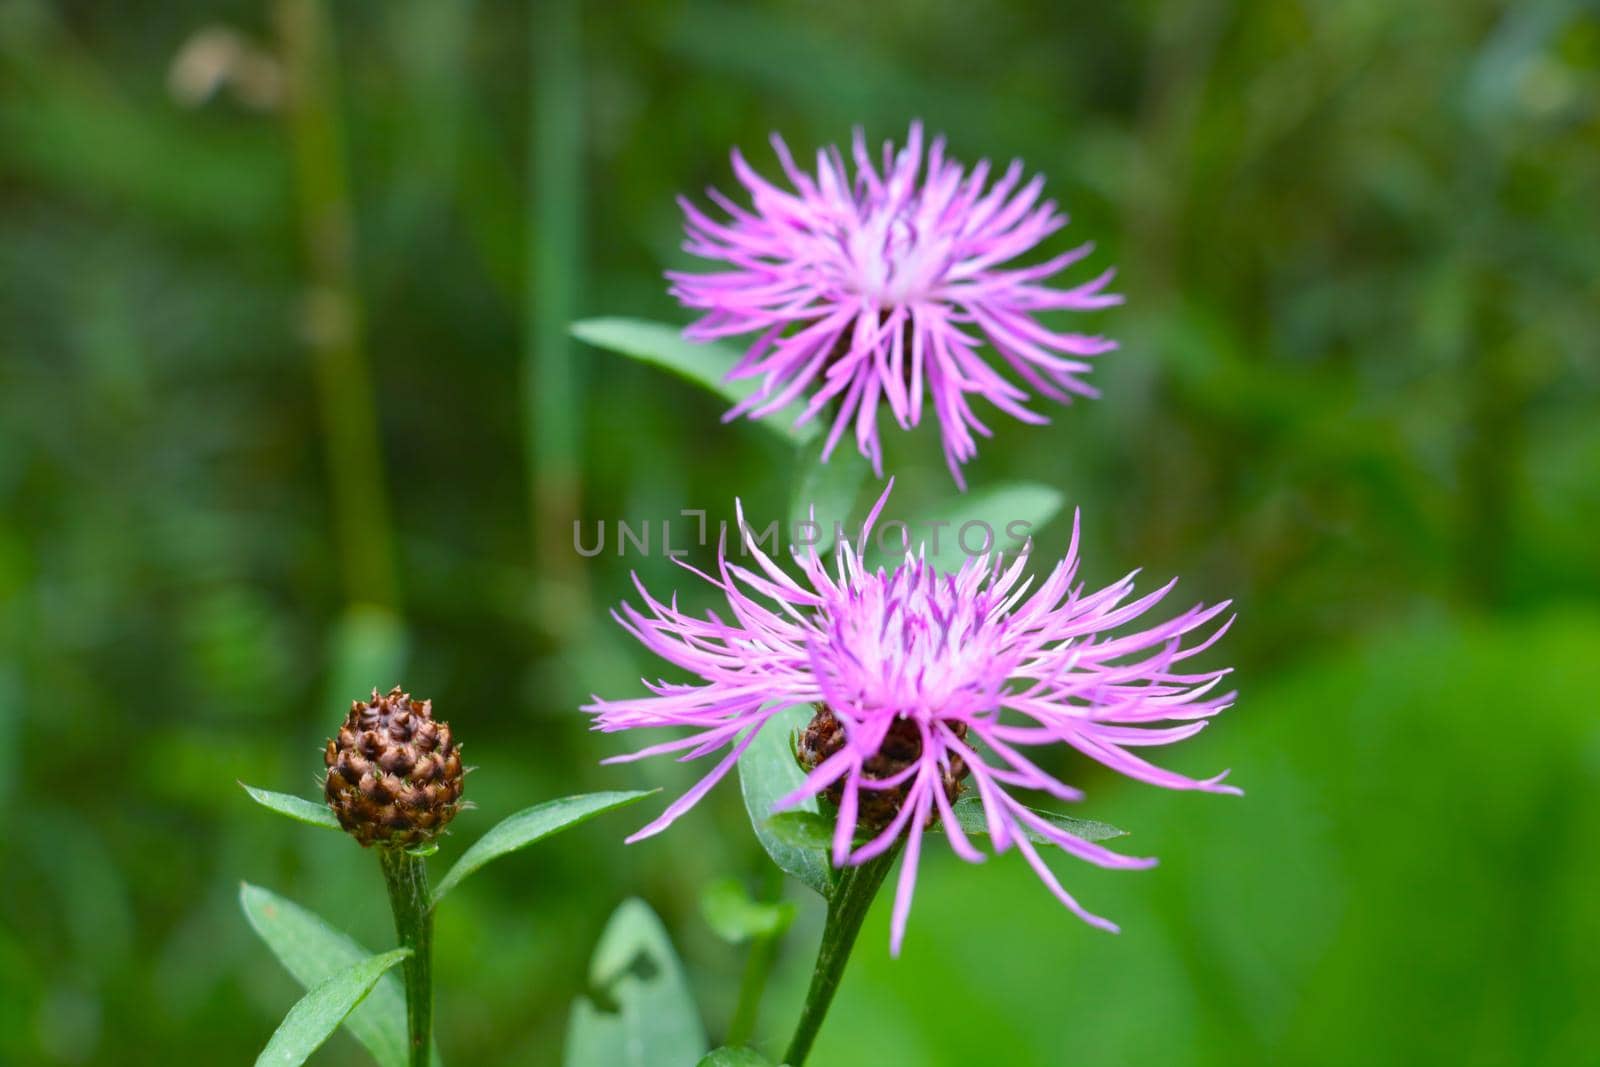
(552, 395)
(333, 311)
(847, 908)
(757, 968)
(407, 877)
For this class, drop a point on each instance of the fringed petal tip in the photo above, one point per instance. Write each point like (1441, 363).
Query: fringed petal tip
(1217, 785)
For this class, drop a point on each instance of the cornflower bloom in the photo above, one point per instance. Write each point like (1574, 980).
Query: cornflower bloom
(883, 286)
(922, 681)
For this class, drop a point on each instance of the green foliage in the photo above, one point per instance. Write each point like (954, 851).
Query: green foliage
(805, 830)
(811, 830)
(314, 952)
(735, 916)
(998, 519)
(299, 809)
(640, 1012)
(315, 1016)
(767, 771)
(531, 825)
(734, 1057)
(825, 492)
(969, 814)
(706, 365)
(1364, 868)
(366, 651)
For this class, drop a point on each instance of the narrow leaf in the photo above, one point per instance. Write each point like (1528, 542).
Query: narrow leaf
(969, 813)
(313, 951)
(735, 916)
(767, 771)
(530, 825)
(706, 365)
(595, 1038)
(318, 1014)
(297, 808)
(825, 493)
(734, 1057)
(636, 972)
(1004, 517)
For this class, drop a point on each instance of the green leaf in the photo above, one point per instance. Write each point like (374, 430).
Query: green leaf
(297, 808)
(827, 489)
(768, 771)
(809, 830)
(705, 365)
(312, 951)
(1004, 515)
(530, 825)
(642, 1013)
(734, 1057)
(315, 1016)
(802, 829)
(969, 814)
(594, 1038)
(735, 916)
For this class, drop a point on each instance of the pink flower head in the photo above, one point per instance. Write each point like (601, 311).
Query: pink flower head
(868, 288)
(927, 679)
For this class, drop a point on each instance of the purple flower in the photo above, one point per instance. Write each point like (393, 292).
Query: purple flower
(869, 289)
(925, 684)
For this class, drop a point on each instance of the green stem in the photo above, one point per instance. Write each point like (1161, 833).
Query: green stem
(757, 967)
(847, 908)
(407, 877)
(552, 393)
(333, 309)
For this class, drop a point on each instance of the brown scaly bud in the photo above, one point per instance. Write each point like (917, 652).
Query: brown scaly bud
(902, 747)
(394, 772)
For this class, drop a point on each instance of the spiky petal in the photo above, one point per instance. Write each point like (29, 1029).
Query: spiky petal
(881, 286)
(934, 678)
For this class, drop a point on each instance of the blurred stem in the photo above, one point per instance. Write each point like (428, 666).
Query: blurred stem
(551, 398)
(1494, 433)
(847, 909)
(757, 968)
(1183, 52)
(406, 875)
(333, 313)
(1490, 453)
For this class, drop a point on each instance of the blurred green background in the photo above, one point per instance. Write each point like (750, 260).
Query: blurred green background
(286, 411)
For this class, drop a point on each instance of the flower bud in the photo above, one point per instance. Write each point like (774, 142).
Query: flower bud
(394, 772)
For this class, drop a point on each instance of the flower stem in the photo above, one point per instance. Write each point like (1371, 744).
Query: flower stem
(552, 380)
(847, 908)
(407, 877)
(334, 314)
(757, 968)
